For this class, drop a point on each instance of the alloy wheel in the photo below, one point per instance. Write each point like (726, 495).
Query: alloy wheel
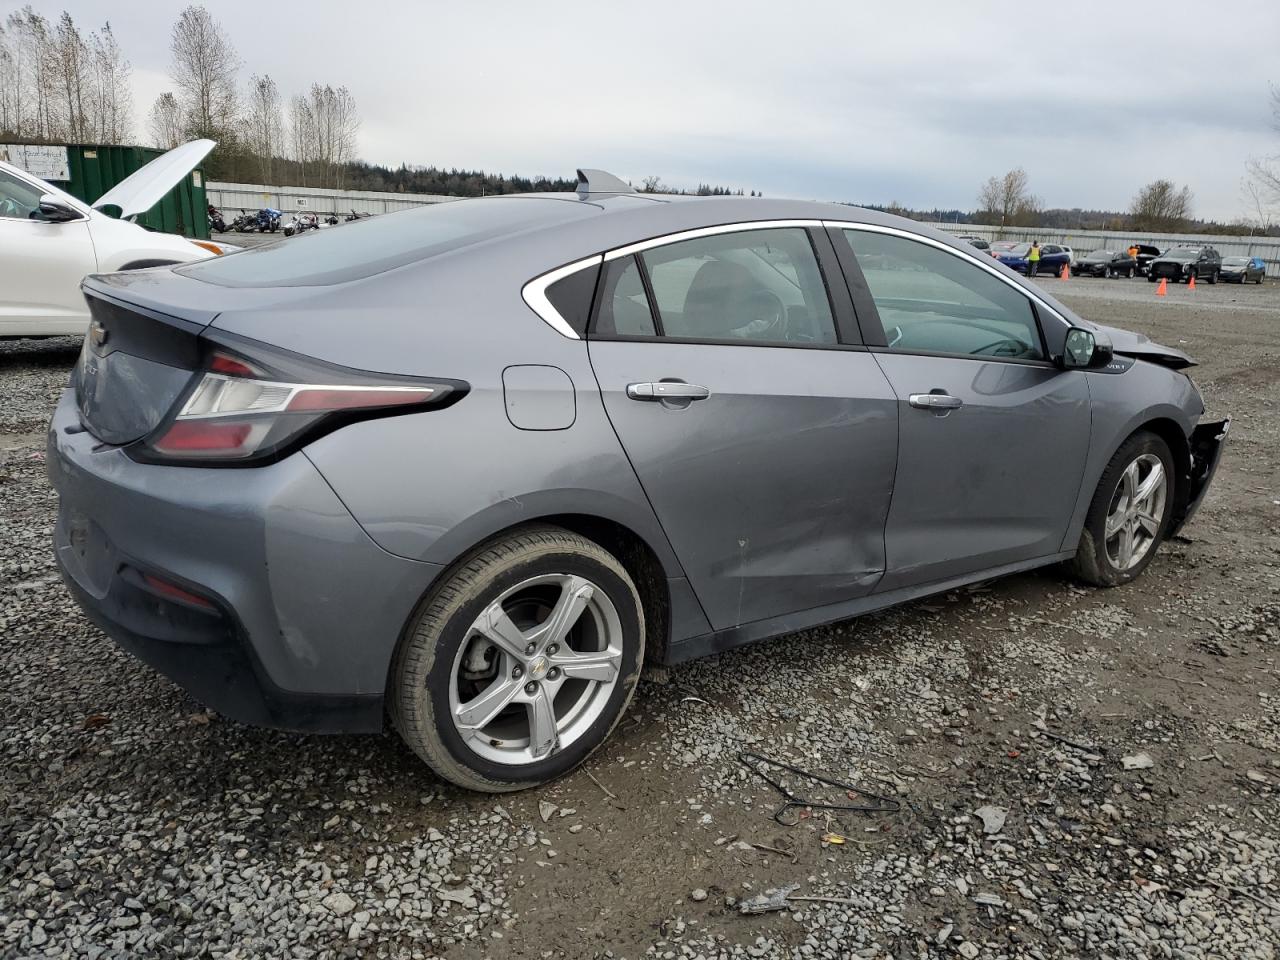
(1137, 509)
(537, 669)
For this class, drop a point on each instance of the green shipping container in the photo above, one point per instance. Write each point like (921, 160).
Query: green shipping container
(95, 169)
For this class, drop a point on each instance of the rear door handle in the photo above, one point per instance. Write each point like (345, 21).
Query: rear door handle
(667, 390)
(935, 401)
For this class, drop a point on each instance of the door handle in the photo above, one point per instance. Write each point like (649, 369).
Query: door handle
(935, 401)
(667, 390)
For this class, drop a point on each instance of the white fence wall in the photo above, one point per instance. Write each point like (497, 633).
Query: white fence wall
(251, 196)
(1082, 241)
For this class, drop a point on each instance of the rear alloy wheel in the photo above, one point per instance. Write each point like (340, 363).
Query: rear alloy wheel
(520, 663)
(1129, 514)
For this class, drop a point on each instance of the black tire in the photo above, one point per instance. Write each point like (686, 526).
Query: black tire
(1151, 277)
(422, 672)
(1091, 563)
(1213, 277)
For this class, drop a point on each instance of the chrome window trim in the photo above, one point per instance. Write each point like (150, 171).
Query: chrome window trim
(662, 241)
(962, 254)
(534, 294)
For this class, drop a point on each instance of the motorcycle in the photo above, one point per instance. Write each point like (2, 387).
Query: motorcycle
(243, 223)
(267, 220)
(355, 216)
(300, 223)
(216, 222)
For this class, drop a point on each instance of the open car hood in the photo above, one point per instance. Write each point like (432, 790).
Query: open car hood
(142, 190)
(1130, 344)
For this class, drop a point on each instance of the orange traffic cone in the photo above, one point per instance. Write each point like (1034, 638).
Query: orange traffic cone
(1191, 283)
(1066, 272)
(1163, 288)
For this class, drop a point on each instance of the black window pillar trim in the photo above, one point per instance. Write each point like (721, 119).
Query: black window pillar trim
(843, 311)
(865, 313)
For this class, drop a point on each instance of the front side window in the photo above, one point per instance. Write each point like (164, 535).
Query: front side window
(18, 199)
(753, 286)
(931, 301)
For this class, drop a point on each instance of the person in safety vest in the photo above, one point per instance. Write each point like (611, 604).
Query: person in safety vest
(1033, 259)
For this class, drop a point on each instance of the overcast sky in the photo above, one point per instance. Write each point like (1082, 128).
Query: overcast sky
(915, 101)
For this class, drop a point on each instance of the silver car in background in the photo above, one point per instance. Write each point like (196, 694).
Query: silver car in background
(468, 466)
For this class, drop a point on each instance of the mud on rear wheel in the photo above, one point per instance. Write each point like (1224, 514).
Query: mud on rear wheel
(520, 663)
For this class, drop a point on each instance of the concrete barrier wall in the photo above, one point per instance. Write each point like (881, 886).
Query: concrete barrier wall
(231, 197)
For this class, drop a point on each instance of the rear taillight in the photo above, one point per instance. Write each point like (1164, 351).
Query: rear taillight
(244, 411)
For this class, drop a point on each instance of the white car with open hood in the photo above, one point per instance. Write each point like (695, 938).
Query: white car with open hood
(49, 241)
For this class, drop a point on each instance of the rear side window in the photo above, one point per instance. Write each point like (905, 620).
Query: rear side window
(363, 248)
(624, 306)
(931, 301)
(757, 285)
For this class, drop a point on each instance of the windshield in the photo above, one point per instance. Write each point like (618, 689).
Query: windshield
(1182, 254)
(1235, 261)
(1003, 245)
(1020, 249)
(363, 248)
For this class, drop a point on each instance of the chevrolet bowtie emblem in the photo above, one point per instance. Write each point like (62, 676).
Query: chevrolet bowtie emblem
(98, 333)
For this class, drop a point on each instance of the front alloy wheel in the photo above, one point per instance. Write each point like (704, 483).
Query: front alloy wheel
(520, 661)
(1129, 513)
(1133, 522)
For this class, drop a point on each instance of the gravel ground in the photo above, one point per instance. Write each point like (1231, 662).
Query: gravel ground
(1076, 772)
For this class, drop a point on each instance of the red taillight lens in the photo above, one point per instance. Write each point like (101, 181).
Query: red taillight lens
(238, 412)
(203, 436)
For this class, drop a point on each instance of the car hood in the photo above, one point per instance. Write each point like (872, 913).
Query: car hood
(1130, 344)
(142, 190)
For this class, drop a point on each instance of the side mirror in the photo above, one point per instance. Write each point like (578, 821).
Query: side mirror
(55, 211)
(1085, 350)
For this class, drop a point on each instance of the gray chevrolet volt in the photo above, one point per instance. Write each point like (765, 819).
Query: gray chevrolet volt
(465, 467)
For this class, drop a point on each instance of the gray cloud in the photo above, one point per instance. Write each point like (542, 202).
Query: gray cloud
(917, 102)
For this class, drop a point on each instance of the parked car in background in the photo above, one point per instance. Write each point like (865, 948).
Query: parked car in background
(305, 543)
(1184, 264)
(976, 242)
(1244, 269)
(1146, 253)
(1071, 256)
(49, 241)
(1106, 263)
(1053, 257)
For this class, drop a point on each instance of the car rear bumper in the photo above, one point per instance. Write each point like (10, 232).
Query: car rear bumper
(1207, 442)
(301, 610)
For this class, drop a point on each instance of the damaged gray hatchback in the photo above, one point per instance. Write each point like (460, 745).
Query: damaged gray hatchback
(468, 466)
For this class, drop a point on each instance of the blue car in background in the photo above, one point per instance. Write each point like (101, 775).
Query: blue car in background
(1052, 257)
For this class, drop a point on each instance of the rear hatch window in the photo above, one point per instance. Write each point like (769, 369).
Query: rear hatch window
(362, 248)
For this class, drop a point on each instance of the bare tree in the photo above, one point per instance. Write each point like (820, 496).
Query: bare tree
(1161, 206)
(1260, 209)
(33, 96)
(334, 124)
(73, 78)
(1007, 200)
(265, 128)
(113, 94)
(166, 123)
(203, 69)
(1263, 182)
(652, 185)
(10, 85)
(302, 135)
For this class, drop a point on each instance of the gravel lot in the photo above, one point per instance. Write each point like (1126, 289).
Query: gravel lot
(133, 823)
